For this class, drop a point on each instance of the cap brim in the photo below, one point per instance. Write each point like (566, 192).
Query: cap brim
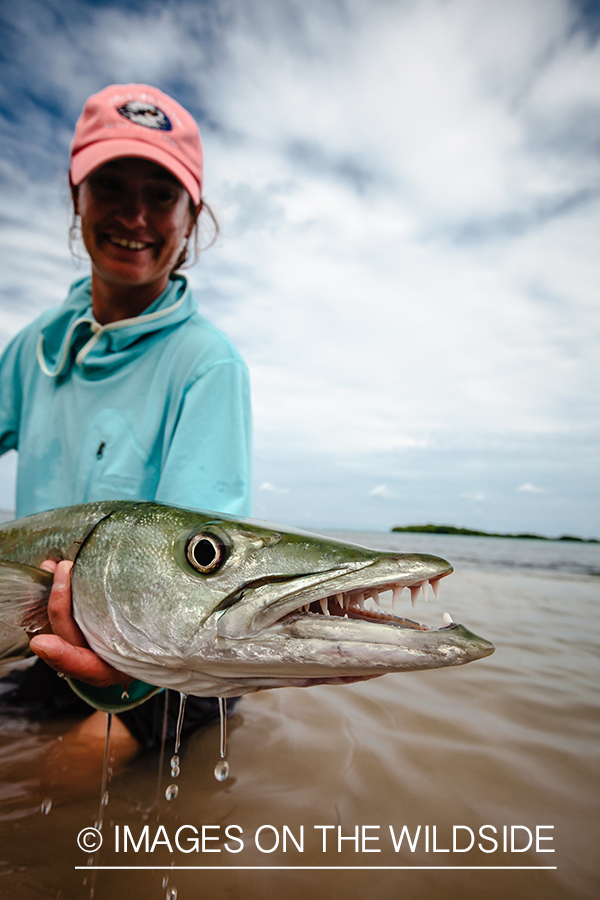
(100, 152)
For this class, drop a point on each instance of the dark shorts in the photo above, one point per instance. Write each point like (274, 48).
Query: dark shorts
(38, 693)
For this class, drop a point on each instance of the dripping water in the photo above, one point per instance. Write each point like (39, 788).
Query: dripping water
(172, 790)
(222, 767)
(182, 699)
(104, 784)
(106, 772)
(163, 741)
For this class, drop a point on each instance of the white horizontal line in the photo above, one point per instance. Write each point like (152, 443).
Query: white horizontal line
(315, 868)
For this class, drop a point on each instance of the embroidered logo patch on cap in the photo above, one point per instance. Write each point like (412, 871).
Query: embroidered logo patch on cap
(145, 114)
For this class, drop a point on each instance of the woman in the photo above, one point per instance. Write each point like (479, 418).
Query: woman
(126, 391)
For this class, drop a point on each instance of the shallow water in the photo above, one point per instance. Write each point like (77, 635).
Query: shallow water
(511, 740)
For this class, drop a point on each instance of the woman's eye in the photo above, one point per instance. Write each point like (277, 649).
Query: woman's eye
(161, 196)
(104, 186)
(206, 552)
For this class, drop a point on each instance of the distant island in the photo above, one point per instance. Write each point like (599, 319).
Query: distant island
(451, 529)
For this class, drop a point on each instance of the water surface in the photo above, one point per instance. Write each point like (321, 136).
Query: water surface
(511, 740)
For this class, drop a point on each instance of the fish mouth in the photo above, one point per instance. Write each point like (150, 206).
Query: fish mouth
(369, 593)
(354, 605)
(342, 629)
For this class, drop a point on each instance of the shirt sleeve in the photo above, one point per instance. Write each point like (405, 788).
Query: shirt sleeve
(208, 462)
(10, 398)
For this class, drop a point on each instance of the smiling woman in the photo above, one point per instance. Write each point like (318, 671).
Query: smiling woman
(126, 391)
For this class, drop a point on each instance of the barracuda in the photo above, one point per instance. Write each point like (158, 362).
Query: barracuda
(216, 606)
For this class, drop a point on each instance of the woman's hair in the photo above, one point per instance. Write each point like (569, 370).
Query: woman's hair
(198, 233)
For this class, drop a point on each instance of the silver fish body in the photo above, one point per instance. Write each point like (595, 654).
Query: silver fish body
(212, 605)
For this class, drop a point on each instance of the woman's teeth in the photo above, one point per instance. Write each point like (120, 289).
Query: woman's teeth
(130, 245)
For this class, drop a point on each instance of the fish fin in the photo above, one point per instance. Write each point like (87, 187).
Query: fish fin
(24, 592)
(14, 647)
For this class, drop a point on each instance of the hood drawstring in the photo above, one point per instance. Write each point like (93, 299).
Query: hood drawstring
(97, 331)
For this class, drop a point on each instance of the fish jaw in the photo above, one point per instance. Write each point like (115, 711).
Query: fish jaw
(265, 605)
(324, 634)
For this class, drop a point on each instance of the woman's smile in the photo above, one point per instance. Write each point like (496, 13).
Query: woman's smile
(129, 244)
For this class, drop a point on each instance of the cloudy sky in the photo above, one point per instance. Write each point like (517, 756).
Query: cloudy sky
(409, 194)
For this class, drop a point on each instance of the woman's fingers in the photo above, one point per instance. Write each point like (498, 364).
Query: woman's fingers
(59, 607)
(76, 661)
(66, 649)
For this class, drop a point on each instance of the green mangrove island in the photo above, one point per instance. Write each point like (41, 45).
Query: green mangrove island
(451, 529)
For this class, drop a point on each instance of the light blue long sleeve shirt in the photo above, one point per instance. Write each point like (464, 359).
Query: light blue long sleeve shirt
(156, 407)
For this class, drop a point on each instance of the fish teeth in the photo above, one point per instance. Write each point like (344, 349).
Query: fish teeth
(447, 619)
(436, 588)
(324, 607)
(340, 600)
(414, 593)
(425, 587)
(396, 595)
(357, 601)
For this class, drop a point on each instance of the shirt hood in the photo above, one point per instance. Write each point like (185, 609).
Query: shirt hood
(72, 337)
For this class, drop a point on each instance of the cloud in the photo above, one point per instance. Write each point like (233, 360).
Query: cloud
(272, 489)
(409, 200)
(383, 491)
(529, 488)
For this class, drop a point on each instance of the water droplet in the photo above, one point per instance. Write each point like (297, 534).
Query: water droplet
(124, 696)
(223, 718)
(104, 800)
(174, 760)
(46, 806)
(171, 792)
(175, 770)
(165, 882)
(182, 699)
(172, 894)
(222, 770)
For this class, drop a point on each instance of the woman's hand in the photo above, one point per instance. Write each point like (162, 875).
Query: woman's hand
(65, 648)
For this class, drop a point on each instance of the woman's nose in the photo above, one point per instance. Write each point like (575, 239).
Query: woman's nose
(132, 210)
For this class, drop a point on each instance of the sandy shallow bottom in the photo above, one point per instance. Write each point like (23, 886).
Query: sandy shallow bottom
(509, 741)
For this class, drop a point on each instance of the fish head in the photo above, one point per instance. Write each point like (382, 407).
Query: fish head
(214, 605)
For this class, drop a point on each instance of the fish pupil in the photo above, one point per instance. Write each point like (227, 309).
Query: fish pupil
(205, 553)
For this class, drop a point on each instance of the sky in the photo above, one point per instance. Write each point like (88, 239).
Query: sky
(409, 198)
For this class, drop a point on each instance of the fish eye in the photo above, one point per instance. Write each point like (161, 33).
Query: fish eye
(206, 552)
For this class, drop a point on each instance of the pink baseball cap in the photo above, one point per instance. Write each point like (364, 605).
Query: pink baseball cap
(138, 120)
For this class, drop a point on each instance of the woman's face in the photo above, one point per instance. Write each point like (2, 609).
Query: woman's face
(135, 217)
